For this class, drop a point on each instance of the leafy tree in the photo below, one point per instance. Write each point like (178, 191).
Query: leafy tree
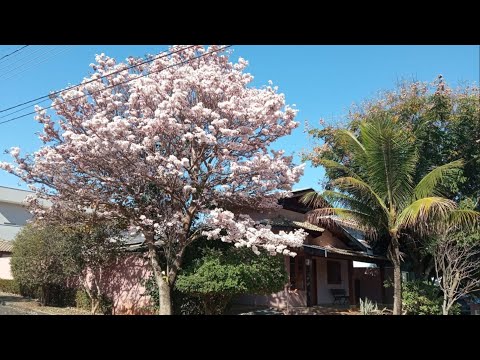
(422, 297)
(189, 125)
(378, 191)
(95, 247)
(41, 260)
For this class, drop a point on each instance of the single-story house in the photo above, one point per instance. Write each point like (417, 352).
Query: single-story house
(335, 264)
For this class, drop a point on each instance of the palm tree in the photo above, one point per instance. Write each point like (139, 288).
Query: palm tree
(373, 186)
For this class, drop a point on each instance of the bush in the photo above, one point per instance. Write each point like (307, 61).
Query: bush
(82, 301)
(10, 286)
(424, 298)
(220, 274)
(42, 266)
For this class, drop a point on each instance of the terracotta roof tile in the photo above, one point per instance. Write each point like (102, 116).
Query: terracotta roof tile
(6, 246)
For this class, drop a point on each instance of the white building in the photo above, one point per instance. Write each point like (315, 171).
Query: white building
(13, 216)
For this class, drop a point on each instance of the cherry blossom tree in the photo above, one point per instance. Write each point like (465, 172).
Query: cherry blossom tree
(178, 147)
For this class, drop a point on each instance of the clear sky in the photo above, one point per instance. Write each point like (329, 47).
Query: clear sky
(323, 81)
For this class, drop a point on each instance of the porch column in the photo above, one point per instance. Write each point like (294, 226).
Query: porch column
(382, 280)
(351, 288)
(308, 280)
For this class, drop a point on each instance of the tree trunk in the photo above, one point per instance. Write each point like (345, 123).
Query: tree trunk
(397, 274)
(95, 305)
(165, 304)
(445, 307)
(397, 289)
(164, 297)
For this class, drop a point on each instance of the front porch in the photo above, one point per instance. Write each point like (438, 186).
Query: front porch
(317, 270)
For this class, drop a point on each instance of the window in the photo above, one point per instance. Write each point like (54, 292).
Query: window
(334, 272)
(297, 276)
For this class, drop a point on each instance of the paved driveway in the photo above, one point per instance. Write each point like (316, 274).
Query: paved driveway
(8, 310)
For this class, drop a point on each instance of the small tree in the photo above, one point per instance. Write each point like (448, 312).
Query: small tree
(41, 260)
(219, 275)
(96, 248)
(457, 265)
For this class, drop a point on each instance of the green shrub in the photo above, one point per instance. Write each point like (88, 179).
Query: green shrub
(82, 301)
(9, 286)
(424, 298)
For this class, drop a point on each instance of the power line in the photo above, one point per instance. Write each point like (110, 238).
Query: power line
(124, 82)
(18, 60)
(41, 55)
(96, 79)
(4, 56)
(48, 56)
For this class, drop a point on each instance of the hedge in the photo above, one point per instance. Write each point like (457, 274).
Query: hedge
(9, 286)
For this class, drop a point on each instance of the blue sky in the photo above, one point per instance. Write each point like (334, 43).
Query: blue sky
(323, 81)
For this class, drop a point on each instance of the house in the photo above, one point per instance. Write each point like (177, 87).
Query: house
(323, 271)
(13, 216)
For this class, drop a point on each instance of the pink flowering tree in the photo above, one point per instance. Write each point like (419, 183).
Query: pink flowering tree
(179, 151)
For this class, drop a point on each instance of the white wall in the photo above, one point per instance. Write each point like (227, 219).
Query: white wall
(12, 218)
(13, 213)
(5, 268)
(323, 288)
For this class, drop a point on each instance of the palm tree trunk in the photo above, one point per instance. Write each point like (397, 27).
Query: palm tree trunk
(397, 274)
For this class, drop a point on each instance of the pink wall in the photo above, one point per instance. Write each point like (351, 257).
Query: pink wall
(5, 268)
(123, 283)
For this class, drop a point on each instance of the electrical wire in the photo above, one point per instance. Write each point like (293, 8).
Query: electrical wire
(100, 78)
(20, 49)
(124, 82)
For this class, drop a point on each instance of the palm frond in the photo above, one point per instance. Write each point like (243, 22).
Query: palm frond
(334, 165)
(361, 190)
(424, 212)
(323, 214)
(391, 160)
(350, 141)
(347, 201)
(428, 185)
(314, 199)
(464, 219)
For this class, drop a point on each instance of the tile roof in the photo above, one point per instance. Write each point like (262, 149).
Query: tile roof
(359, 254)
(6, 246)
(282, 222)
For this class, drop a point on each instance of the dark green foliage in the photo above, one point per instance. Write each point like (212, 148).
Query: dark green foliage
(182, 304)
(424, 298)
(445, 125)
(214, 272)
(41, 263)
(82, 301)
(219, 275)
(47, 261)
(444, 122)
(9, 286)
